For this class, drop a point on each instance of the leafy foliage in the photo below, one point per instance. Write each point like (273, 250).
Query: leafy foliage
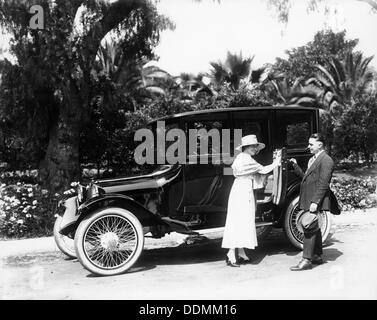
(356, 132)
(301, 61)
(355, 193)
(283, 7)
(325, 73)
(26, 210)
(344, 80)
(53, 83)
(231, 71)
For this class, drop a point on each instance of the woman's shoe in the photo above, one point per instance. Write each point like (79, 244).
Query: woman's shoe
(243, 260)
(231, 264)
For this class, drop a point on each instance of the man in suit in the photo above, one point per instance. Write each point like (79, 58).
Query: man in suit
(315, 196)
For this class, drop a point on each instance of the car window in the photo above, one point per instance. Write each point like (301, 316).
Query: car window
(205, 134)
(250, 127)
(298, 134)
(209, 133)
(169, 126)
(160, 130)
(253, 122)
(293, 128)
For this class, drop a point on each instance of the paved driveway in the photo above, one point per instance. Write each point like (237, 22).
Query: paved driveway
(169, 269)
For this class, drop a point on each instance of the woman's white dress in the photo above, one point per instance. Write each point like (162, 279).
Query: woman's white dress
(240, 231)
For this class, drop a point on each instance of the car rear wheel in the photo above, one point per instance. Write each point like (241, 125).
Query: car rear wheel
(109, 241)
(64, 243)
(294, 232)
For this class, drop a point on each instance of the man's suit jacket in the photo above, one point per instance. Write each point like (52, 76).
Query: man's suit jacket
(315, 185)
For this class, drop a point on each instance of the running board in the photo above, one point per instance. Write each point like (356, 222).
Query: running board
(220, 229)
(184, 227)
(262, 224)
(178, 226)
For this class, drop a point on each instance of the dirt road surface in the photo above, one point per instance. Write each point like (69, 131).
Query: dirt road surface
(176, 270)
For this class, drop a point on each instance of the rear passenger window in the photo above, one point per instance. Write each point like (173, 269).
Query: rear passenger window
(298, 134)
(209, 132)
(253, 122)
(294, 128)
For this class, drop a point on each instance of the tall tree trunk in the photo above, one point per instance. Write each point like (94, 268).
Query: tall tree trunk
(2, 141)
(61, 164)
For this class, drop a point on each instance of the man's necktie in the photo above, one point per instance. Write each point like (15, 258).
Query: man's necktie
(311, 160)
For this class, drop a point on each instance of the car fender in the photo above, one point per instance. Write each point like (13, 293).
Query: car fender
(70, 216)
(146, 217)
(292, 191)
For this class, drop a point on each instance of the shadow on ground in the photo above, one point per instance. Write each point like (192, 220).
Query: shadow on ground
(211, 251)
(194, 251)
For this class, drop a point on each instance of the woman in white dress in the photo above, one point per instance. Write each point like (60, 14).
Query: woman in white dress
(240, 230)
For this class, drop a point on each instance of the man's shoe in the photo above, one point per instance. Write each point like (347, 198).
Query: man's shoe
(317, 260)
(304, 264)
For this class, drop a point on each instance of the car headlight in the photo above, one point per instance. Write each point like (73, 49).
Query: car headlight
(80, 193)
(93, 191)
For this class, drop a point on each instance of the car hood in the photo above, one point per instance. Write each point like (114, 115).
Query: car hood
(153, 180)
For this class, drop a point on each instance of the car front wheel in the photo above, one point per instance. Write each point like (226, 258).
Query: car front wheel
(294, 232)
(109, 241)
(64, 243)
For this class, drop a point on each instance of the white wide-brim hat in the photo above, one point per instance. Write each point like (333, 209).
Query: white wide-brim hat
(250, 139)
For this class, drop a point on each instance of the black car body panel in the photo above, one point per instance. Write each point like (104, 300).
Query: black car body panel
(191, 196)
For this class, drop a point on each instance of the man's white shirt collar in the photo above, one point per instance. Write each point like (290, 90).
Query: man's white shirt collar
(317, 154)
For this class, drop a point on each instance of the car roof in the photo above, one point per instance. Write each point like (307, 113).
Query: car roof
(209, 111)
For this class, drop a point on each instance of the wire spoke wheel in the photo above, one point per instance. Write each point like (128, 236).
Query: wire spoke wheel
(294, 232)
(295, 229)
(109, 241)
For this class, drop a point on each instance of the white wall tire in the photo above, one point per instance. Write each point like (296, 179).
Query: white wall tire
(64, 243)
(109, 241)
(294, 232)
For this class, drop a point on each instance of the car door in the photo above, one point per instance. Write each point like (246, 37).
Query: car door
(280, 178)
(204, 184)
(292, 131)
(257, 122)
(261, 122)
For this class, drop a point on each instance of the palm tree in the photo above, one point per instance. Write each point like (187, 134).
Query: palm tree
(135, 80)
(156, 81)
(232, 71)
(190, 86)
(342, 81)
(279, 89)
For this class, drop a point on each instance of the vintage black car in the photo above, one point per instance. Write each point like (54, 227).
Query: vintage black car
(109, 219)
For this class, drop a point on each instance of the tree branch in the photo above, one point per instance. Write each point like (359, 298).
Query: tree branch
(371, 3)
(75, 5)
(112, 17)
